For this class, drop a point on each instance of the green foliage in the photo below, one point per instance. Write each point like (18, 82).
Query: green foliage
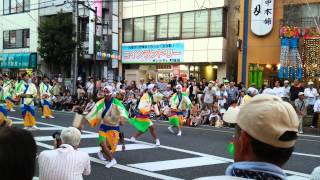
(55, 38)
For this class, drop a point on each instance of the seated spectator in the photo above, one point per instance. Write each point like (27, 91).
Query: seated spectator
(65, 162)
(81, 103)
(89, 106)
(205, 113)
(196, 119)
(194, 112)
(264, 139)
(67, 103)
(17, 154)
(215, 114)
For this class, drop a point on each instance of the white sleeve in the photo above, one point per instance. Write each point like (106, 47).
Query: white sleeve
(87, 168)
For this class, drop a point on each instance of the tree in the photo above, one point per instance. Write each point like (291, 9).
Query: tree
(55, 41)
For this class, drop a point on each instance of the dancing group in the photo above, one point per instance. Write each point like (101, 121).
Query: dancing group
(25, 92)
(110, 113)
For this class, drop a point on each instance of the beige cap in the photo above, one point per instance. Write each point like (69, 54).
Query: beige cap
(266, 118)
(300, 93)
(310, 83)
(286, 81)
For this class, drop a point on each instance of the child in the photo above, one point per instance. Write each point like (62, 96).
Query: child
(194, 112)
(215, 114)
(205, 114)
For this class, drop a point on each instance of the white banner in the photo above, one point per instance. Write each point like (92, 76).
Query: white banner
(262, 12)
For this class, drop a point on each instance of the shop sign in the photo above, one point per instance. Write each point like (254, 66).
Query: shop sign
(262, 16)
(114, 63)
(153, 53)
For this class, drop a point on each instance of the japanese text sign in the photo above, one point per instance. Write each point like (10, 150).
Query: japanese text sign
(262, 16)
(153, 53)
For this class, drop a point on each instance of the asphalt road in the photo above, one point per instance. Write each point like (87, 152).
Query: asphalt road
(199, 152)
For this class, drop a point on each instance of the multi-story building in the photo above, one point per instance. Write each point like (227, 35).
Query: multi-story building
(184, 38)
(19, 35)
(259, 62)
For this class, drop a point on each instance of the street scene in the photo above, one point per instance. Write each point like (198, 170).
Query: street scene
(160, 89)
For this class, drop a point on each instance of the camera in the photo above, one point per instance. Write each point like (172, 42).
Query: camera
(56, 136)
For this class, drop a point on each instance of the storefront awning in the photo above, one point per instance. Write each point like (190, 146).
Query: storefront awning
(18, 60)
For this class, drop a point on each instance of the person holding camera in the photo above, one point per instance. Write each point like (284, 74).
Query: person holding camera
(65, 161)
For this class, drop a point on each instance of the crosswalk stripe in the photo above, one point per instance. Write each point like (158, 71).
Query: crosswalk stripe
(50, 128)
(91, 150)
(176, 164)
(17, 122)
(297, 178)
(49, 138)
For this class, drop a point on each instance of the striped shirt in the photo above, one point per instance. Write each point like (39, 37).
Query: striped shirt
(64, 163)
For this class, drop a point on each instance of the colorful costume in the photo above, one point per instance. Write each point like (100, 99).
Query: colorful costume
(8, 90)
(108, 115)
(179, 104)
(46, 99)
(3, 109)
(142, 121)
(27, 104)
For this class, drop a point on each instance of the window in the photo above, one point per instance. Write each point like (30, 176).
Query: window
(301, 15)
(216, 24)
(174, 26)
(16, 39)
(149, 28)
(127, 30)
(15, 6)
(201, 25)
(188, 25)
(138, 29)
(162, 27)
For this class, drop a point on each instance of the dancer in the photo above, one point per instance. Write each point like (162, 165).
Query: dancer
(142, 121)
(8, 89)
(179, 104)
(45, 89)
(26, 90)
(110, 113)
(3, 109)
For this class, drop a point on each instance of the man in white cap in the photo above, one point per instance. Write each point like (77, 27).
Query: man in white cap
(301, 105)
(286, 87)
(264, 139)
(316, 112)
(142, 121)
(179, 103)
(310, 93)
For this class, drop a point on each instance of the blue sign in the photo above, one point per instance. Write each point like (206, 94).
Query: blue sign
(153, 53)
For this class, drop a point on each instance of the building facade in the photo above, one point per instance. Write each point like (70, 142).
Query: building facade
(19, 35)
(183, 38)
(262, 62)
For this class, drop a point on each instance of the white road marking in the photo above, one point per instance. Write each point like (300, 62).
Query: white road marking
(50, 128)
(17, 122)
(297, 178)
(49, 138)
(304, 154)
(137, 171)
(176, 164)
(91, 150)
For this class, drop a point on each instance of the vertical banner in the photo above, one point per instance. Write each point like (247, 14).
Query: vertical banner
(262, 16)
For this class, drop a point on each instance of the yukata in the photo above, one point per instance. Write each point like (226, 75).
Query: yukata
(108, 115)
(8, 93)
(46, 102)
(179, 104)
(27, 104)
(3, 109)
(142, 120)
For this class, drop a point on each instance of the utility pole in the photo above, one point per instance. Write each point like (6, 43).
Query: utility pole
(95, 51)
(76, 54)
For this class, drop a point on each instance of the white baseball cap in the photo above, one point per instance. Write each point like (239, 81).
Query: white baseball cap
(267, 118)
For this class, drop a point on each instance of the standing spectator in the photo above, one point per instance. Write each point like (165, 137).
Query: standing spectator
(310, 93)
(294, 90)
(241, 98)
(222, 96)
(168, 92)
(204, 82)
(241, 87)
(56, 89)
(278, 89)
(66, 161)
(209, 96)
(173, 83)
(162, 85)
(184, 87)
(264, 138)
(17, 154)
(200, 93)
(142, 85)
(233, 92)
(90, 87)
(192, 90)
(286, 88)
(316, 112)
(301, 107)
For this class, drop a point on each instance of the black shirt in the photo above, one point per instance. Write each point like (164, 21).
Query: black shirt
(294, 91)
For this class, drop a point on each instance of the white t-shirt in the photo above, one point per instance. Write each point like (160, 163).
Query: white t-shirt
(279, 91)
(208, 95)
(310, 94)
